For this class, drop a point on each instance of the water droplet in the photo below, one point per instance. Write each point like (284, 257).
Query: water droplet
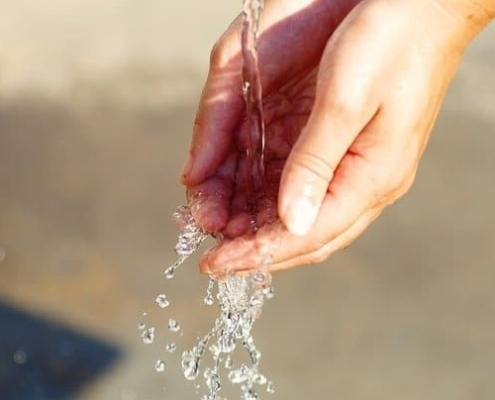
(260, 379)
(213, 382)
(266, 261)
(170, 347)
(169, 272)
(209, 300)
(173, 325)
(227, 343)
(245, 87)
(270, 387)
(256, 300)
(20, 357)
(160, 366)
(269, 292)
(250, 394)
(215, 351)
(148, 335)
(240, 300)
(141, 326)
(259, 276)
(237, 376)
(190, 365)
(162, 301)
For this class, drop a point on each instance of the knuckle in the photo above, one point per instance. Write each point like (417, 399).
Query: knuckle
(317, 256)
(316, 165)
(396, 184)
(343, 108)
(216, 54)
(406, 185)
(219, 56)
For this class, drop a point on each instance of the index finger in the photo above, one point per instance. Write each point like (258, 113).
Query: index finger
(218, 114)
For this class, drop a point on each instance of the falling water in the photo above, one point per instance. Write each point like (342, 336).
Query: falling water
(240, 298)
(252, 91)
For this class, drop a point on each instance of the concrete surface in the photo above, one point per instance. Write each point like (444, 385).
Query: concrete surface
(96, 104)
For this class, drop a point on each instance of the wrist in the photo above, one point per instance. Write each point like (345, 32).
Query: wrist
(467, 17)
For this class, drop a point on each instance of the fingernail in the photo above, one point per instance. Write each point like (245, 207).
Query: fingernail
(301, 215)
(188, 166)
(204, 262)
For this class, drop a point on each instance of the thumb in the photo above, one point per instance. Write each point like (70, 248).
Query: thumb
(331, 129)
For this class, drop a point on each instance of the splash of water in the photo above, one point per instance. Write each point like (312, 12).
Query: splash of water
(240, 299)
(148, 335)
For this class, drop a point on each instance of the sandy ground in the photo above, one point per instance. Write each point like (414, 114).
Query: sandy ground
(96, 104)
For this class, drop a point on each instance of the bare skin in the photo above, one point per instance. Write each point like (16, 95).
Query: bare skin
(351, 93)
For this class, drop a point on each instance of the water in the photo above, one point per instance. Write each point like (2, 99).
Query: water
(253, 95)
(160, 366)
(209, 299)
(148, 335)
(240, 298)
(170, 347)
(173, 325)
(162, 301)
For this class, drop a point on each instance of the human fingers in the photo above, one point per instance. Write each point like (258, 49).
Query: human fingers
(210, 201)
(340, 242)
(265, 255)
(289, 43)
(353, 195)
(349, 93)
(346, 101)
(363, 184)
(219, 111)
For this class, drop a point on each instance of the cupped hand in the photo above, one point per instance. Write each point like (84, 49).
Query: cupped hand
(351, 93)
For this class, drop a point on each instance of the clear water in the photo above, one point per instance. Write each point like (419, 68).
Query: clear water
(162, 301)
(252, 91)
(240, 298)
(148, 335)
(170, 347)
(160, 366)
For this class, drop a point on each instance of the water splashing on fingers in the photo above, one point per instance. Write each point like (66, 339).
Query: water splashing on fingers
(239, 297)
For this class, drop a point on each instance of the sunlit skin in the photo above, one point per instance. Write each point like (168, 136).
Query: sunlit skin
(351, 93)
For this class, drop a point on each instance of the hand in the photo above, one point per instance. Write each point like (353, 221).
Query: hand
(348, 114)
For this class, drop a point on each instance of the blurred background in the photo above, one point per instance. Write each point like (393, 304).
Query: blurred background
(96, 106)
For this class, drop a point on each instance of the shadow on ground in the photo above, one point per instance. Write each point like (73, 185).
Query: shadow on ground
(45, 360)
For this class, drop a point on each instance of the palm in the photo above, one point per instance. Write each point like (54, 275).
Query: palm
(237, 199)
(219, 183)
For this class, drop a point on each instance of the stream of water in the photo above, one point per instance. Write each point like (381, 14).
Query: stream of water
(253, 95)
(240, 298)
